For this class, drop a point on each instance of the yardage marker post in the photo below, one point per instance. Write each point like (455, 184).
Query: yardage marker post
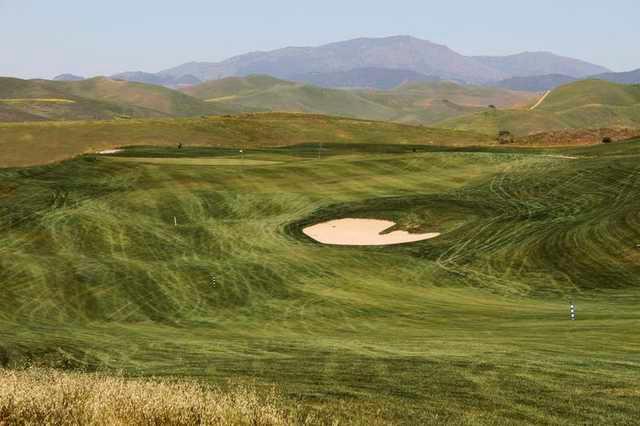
(572, 310)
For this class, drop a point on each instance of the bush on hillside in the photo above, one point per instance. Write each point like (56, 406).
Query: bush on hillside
(607, 139)
(505, 137)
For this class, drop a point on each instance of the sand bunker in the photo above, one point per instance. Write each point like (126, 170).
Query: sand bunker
(110, 151)
(362, 232)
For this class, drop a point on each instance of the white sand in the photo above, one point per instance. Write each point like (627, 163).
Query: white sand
(110, 151)
(362, 232)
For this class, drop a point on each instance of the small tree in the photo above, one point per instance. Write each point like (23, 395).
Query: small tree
(505, 137)
(607, 139)
(492, 106)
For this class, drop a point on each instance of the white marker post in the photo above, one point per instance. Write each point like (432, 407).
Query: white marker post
(175, 221)
(573, 311)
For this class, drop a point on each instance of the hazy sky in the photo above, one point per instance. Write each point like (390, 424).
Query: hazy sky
(43, 38)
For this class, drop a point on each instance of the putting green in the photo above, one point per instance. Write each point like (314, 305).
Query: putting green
(196, 161)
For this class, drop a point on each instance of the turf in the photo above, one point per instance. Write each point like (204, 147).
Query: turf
(25, 144)
(468, 328)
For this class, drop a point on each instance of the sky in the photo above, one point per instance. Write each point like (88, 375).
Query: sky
(44, 38)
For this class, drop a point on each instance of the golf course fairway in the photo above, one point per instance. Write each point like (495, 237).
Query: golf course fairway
(199, 269)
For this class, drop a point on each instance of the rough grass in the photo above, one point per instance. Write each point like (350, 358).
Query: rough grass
(39, 397)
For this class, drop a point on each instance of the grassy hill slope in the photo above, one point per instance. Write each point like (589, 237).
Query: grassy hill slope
(419, 103)
(235, 87)
(39, 143)
(585, 104)
(589, 93)
(97, 98)
(468, 328)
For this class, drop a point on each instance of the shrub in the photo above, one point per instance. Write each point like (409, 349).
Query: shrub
(505, 137)
(607, 139)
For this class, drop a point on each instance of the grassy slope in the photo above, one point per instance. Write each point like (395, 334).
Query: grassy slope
(97, 98)
(415, 103)
(467, 328)
(235, 86)
(580, 105)
(38, 143)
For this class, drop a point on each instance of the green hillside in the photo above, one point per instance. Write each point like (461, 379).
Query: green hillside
(235, 86)
(582, 105)
(436, 101)
(39, 143)
(196, 268)
(591, 93)
(420, 103)
(97, 98)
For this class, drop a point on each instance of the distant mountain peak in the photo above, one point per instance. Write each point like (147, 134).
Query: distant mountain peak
(68, 77)
(398, 52)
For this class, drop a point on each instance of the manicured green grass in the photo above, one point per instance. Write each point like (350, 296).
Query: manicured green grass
(468, 328)
(24, 144)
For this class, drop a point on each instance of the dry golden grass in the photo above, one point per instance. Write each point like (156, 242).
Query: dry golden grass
(50, 397)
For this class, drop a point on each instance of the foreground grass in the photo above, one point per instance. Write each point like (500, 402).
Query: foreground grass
(468, 328)
(37, 397)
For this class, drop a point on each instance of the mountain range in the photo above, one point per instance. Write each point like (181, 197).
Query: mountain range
(398, 53)
(385, 63)
(380, 63)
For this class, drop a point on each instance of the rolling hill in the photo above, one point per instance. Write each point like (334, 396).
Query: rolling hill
(364, 78)
(68, 77)
(590, 93)
(416, 103)
(149, 78)
(96, 98)
(585, 104)
(536, 83)
(551, 81)
(630, 77)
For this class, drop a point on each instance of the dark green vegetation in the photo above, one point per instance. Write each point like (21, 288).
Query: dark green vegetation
(96, 98)
(584, 104)
(468, 328)
(24, 144)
